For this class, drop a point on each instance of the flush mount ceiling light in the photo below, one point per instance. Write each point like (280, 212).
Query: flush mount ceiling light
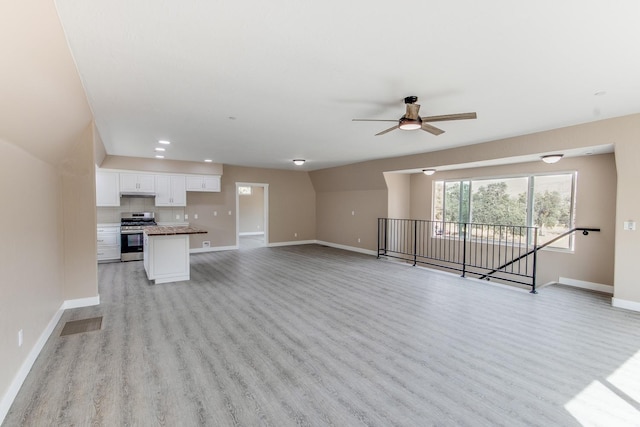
(428, 171)
(160, 149)
(159, 156)
(165, 142)
(298, 162)
(208, 160)
(552, 158)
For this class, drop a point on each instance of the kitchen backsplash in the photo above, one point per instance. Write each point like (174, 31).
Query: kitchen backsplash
(111, 215)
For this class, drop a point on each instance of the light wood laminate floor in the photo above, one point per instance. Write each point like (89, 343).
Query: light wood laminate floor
(309, 335)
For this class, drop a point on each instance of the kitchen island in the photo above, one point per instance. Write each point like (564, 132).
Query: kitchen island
(166, 252)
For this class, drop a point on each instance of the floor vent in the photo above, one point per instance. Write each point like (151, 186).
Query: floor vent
(79, 326)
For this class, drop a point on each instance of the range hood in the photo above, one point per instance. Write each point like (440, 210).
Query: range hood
(137, 194)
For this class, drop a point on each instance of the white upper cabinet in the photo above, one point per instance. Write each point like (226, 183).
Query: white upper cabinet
(171, 190)
(107, 189)
(203, 183)
(137, 183)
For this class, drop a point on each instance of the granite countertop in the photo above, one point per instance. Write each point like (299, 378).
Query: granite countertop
(165, 230)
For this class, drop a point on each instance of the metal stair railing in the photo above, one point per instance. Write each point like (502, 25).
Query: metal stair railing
(585, 231)
(467, 247)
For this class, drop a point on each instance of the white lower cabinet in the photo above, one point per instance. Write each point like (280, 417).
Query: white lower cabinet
(108, 243)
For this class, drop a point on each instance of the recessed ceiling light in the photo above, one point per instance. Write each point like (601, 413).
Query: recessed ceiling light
(208, 160)
(298, 162)
(165, 142)
(428, 171)
(158, 156)
(160, 149)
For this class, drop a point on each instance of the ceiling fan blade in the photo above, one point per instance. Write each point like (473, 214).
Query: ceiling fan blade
(431, 129)
(387, 130)
(373, 120)
(447, 117)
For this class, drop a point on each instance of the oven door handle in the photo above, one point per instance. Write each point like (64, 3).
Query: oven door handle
(131, 232)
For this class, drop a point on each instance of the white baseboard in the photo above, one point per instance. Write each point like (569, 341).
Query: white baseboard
(626, 304)
(347, 248)
(80, 302)
(586, 285)
(292, 243)
(252, 233)
(25, 368)
(212, 249)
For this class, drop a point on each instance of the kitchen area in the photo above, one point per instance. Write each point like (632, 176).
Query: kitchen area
(141, 217)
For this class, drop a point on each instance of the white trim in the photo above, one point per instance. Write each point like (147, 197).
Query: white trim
(25, 368)
(212, 249)
(252, 233)
(80, 302)
(348, 248)
(586, 285)
(626, 304)
(292, 243)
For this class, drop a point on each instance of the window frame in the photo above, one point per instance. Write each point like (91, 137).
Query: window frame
(530, 199)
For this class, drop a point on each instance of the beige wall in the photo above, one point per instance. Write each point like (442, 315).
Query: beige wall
(399, 188)
(160, 165)
(45, 145)
(251, 211)
(627, 285)
(31, 254)
(79, 219)
(292, 206)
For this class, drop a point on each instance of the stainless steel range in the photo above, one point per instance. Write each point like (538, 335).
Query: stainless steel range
(131, 234)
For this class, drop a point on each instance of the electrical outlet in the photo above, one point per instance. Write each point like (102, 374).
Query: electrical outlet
(20, 338)
(178, 216)
(229, 212)
(353, 213)
(295, 234)
(206, 244)
(186, 216)
(358, 240)
(215, 213)
(195, 216)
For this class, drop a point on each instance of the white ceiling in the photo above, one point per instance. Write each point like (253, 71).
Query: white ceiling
(259, 83)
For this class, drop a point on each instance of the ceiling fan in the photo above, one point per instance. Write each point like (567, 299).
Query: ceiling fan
(412, 121)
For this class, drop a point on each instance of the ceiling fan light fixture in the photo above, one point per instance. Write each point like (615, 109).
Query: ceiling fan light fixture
(552, 158)
(428, 171)
(298, 162)
(410, 124)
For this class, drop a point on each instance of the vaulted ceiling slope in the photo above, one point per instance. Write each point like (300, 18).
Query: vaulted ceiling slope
(257, 83)
(43, 108)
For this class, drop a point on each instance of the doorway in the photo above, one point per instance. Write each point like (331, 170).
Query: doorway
(252, 215)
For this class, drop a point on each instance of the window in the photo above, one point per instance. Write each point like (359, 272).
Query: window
(244, 190)
(543, 201)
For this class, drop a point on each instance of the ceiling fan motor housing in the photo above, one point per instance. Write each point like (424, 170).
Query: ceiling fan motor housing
(411, 99)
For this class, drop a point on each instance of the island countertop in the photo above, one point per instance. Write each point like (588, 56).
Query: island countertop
(167, 230)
